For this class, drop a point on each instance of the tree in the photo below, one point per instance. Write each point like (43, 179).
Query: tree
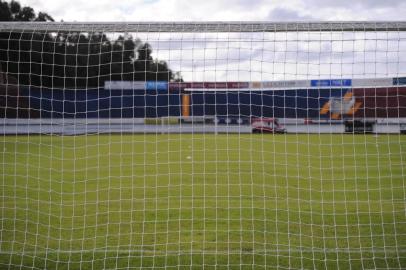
(14, 12)
(43, 17)
(5, 12)
(72, 59)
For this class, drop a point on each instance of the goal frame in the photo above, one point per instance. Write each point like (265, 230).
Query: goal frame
(272, 164)
(207, 27)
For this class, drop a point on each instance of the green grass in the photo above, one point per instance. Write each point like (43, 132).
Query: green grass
(203, 201)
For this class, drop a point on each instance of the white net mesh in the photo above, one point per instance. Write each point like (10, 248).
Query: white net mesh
(203, 145)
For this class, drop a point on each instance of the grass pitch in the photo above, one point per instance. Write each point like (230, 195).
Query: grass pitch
(203, 201)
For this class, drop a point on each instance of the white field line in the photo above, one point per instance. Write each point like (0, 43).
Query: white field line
(185, 252)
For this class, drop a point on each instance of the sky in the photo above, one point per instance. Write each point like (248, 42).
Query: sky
(214, 10)
(228, 57)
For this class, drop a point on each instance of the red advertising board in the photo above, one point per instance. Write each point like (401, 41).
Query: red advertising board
(387, 102)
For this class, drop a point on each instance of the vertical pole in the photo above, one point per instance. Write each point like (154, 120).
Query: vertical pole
(185, 105)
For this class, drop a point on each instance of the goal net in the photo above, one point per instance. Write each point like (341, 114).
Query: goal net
(216, 145)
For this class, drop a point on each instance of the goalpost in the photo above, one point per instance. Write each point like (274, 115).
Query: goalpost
(219, 145)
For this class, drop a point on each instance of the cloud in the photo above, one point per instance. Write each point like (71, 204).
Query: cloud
(354, 10)
(285, 14)
(221, 10)
(367, 4)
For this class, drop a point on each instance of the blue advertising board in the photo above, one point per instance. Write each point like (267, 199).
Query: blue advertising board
(331, 83)
(156, 85)
(399, 81)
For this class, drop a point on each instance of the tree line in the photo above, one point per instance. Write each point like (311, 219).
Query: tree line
(73, 59)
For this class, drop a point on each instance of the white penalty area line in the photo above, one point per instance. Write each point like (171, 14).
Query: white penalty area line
(204, 252)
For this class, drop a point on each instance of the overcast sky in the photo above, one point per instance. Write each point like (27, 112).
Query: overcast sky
(273, 57)
(186, 10)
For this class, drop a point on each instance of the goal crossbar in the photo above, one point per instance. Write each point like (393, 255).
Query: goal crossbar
(208, 27)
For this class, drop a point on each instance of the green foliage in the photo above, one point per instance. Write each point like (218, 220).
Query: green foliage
(14, 12)
(73, 59)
